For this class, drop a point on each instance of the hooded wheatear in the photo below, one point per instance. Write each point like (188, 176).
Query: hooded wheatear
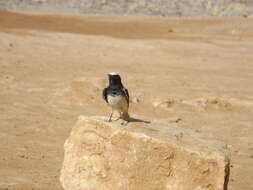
(117, 96)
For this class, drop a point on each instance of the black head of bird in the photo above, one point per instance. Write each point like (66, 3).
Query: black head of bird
(114, 79)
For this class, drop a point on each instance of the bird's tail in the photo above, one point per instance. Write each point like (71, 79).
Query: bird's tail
(125, 116)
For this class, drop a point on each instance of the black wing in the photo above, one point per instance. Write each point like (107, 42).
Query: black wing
(126, 94)
(105, 95)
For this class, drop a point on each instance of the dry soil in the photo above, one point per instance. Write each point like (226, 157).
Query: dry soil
(197, 73)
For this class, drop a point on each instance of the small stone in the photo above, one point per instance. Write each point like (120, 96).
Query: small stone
(170, 30)
(174, 120)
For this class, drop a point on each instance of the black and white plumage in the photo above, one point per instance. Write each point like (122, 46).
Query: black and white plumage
(117, 96)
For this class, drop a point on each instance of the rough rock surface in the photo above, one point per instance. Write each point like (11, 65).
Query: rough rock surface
(185, 8)
(141, 155)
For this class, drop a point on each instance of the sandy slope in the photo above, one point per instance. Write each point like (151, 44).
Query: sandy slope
(198, 73)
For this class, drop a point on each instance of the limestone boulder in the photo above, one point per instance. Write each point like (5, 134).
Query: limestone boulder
(101, 155)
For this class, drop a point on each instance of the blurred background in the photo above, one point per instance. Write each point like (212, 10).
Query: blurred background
(174, 8)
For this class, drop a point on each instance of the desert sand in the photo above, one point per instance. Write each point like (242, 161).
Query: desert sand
(197, 73)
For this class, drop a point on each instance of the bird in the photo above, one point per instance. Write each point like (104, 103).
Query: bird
(117, 97)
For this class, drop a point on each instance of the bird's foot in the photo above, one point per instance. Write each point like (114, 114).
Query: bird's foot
(124, 122)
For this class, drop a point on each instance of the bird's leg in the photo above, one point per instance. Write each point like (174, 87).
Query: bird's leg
(124, 122)
(119, 116)
(125, 117)
(110, 118)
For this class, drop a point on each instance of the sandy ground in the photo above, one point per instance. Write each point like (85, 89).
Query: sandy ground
(197, 73)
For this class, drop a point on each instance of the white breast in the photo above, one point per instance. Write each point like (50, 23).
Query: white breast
(118, 102)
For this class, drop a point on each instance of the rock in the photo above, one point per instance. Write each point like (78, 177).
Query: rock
(135, 100)
(208, 102)
(197, 104)
(165, 103)
(105, 156)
